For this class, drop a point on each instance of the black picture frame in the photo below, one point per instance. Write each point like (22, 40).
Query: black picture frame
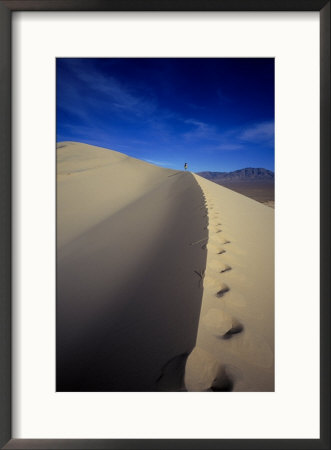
(7, 7)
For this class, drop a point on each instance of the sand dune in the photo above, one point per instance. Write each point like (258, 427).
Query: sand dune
(235, 343)
(128, 289)
(94, 183)
(165, 280)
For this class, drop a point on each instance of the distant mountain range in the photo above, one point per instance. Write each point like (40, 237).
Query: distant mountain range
(243, 175)
(256, 183)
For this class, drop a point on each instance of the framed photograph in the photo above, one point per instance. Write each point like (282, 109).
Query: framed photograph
(165, 229)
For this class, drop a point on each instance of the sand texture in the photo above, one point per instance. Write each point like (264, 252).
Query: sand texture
(129, 271)
(165, 280)
(235, 342)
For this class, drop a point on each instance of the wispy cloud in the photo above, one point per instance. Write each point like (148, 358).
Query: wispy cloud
(239, 138)
(231, 139)
(199, 130)
(106, 92)
(258, 132)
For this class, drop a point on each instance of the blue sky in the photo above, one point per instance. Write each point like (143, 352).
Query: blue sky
(215, 114)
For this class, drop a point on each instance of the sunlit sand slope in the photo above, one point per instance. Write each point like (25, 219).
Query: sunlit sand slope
(235, 343)
(129, 261)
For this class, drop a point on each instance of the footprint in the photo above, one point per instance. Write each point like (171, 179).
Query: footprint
(221, 323)
(214, 247)
(222, 382)
(236, 328)
(224, 241)
(204, 373)
(222, 290)
(225, 268)
(217, 321)
(218, 266)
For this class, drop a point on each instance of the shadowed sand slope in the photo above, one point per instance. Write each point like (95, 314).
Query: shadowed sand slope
(129, 255)
(235, 343)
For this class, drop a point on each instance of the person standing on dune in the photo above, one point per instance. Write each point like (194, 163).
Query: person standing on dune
(185, 166)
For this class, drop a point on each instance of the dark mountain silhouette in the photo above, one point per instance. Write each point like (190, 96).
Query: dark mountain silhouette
(248, 174)
(256, 183)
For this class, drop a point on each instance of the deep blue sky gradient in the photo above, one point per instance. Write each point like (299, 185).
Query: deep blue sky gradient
(215, 114)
